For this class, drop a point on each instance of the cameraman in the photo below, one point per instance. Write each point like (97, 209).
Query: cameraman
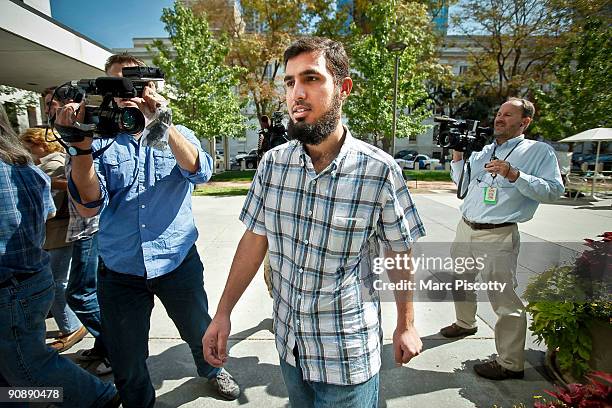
(510, 177)
(146, 239)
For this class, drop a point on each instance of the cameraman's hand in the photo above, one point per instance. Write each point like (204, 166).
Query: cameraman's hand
(150, 101)
(457, 155)
(503, 168)
(70, 113)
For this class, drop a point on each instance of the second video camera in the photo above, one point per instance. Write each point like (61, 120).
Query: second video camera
(107, 119)
(461, 135)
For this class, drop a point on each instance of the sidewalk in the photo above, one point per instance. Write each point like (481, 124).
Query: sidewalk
(441, 376)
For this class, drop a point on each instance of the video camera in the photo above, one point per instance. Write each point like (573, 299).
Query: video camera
(106, 120)
(278, 133)
(461, 135)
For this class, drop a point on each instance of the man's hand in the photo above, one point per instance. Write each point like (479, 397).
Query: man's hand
(68, 115)
(503, 168)
(457, 155)
(406, 344)
(150, 101)
(214, 341)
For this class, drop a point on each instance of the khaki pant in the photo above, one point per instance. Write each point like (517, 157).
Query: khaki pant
(498, 250)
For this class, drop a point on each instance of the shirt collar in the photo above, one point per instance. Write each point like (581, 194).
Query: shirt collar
(510, 143)
(346, 146)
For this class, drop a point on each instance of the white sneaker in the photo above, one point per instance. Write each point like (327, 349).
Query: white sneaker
(104, 368)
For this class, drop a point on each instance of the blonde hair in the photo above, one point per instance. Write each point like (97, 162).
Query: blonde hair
(36, 136)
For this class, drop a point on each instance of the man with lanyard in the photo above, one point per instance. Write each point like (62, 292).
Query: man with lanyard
(324, 204)
(142, 186)
(501, 193)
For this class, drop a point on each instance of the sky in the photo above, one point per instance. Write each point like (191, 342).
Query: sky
(112, 23)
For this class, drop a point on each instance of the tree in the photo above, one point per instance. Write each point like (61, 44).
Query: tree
(370, 108)
(201, 86)
(510, 43)
(257, 37)
(581, 96)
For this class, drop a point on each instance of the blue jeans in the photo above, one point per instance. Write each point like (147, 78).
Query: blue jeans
(59, 261)
(81, 293)
(25, 359)
(309, 394)
(126, 302)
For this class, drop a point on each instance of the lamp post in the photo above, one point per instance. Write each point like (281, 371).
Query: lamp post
(396, 48)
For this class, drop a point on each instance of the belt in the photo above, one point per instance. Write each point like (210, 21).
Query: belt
(479, 226)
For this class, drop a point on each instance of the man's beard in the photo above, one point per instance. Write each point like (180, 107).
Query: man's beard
(315, 133)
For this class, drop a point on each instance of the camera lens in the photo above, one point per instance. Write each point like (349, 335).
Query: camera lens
(131, 120)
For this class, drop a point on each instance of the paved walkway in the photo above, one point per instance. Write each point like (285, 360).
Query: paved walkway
(441, 376)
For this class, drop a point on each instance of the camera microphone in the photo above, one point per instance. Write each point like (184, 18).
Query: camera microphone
(117, 86)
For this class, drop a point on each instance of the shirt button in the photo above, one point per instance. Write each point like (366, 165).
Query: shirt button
(310, 212)
(306, 242)
(143, 225)
(143, 206)
(314, 182)
(301, 270)
(297, 322)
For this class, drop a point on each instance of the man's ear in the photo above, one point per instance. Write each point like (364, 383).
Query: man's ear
(346, 87)
(526, 122)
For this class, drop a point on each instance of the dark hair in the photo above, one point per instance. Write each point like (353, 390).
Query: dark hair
(336, 60)
(123, 58)
(11, 149)
(526, 106)
(49, 90)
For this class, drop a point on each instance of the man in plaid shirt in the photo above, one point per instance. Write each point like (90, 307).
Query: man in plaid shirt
(324, 204)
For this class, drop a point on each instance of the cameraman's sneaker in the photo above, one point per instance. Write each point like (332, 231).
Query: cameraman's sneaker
(225, 385)
(91, 354)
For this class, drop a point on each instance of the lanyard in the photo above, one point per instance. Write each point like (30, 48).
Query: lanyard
(509, 153)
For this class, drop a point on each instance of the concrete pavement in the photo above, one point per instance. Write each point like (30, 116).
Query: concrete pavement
(441, 376)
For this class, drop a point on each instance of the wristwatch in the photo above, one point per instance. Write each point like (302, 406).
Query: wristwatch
(75, 151)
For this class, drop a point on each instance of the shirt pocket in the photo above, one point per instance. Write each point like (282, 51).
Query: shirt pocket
(120, 171)
(346, 234)
(164, 163)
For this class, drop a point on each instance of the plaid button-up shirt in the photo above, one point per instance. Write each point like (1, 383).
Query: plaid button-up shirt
(25, 204)
(79, 227)
(323, 231)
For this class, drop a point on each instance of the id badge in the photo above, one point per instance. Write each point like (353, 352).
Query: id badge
(490, 195)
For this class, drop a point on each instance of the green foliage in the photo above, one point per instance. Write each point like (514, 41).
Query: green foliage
(581, 96)
(201, 86)
(370, 107)
(234, 175)
(565, 300)
(221, 191)
(258, 38)
(20, 98)
(510, 43)
(428, 175)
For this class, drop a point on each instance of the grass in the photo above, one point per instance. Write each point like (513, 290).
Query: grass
(221, 191)
(421, 175)
(234, 175)
(428, 175)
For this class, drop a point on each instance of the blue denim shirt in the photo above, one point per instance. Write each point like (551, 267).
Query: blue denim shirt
(146, 222)
(25, 204)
